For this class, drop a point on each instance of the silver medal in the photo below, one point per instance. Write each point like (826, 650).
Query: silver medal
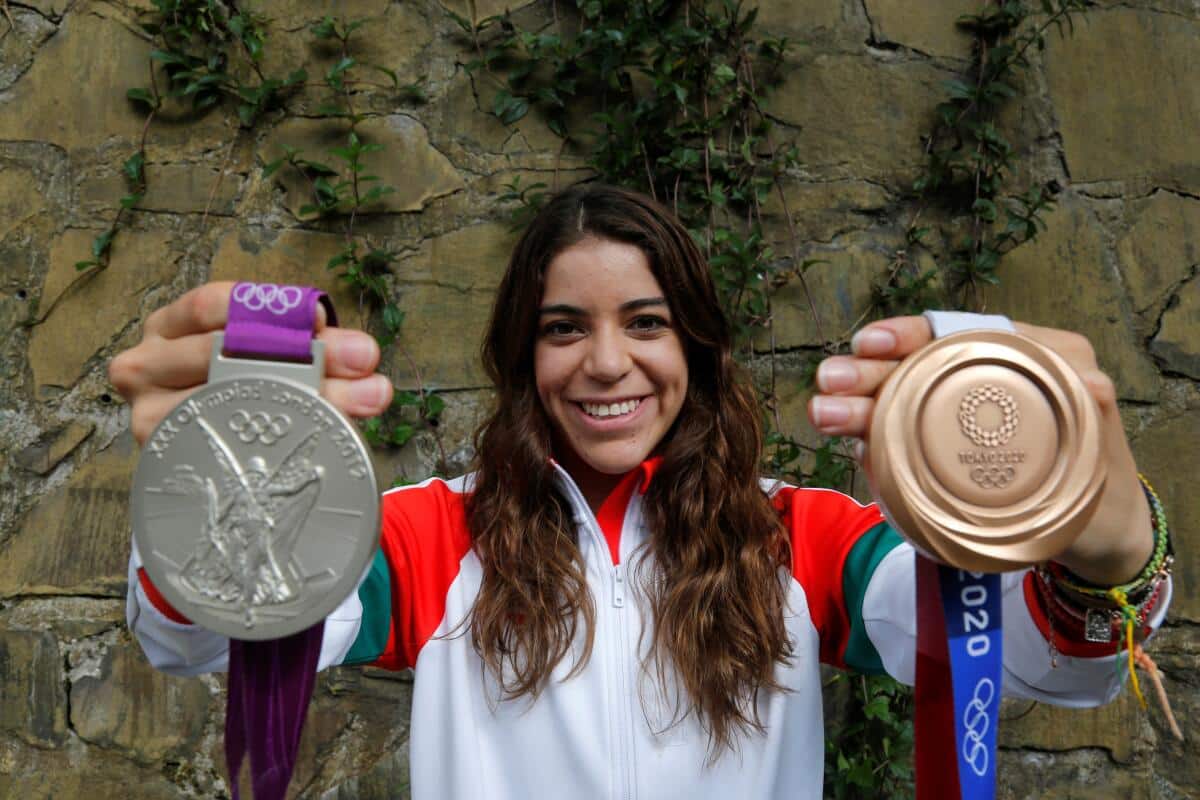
(255, 506)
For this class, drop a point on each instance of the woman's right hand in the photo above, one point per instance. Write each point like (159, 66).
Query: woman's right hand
(171, 361)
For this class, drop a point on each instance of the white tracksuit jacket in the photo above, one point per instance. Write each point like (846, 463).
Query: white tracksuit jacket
(605, 733)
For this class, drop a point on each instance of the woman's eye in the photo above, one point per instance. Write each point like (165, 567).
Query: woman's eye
(648, 323)
(560, 327)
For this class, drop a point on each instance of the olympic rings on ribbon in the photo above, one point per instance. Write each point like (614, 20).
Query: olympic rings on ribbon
(279, 300)
(977, 721)
(260, 426)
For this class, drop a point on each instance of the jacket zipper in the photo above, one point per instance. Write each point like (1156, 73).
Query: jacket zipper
(616, 662)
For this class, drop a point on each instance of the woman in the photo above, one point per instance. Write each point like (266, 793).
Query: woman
(613, 605)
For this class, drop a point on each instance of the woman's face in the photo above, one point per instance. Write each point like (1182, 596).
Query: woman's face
(609, 362)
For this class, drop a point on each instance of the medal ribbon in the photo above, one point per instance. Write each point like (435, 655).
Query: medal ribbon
(959, 673)
(270, 682)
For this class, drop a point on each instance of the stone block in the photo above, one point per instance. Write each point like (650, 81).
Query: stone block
(471, 258)
(1167, 455)
(1177, 342)
(822, 211)
(354, 723)
(74, 94)
(484, 8)
(1116, 727)
(840, 288)
(1160, 250)
(932, 30)
(44, 455)
(33, 705)
(408, 163)
(19, 45)
(805, 20)
(395, 36)
(20, 199)
(77, 770)
(76, 539)
(127, 704)
(67, 617)
(1142, 124)
(86, 317)
(443, 329)
(1061, 280)
(1075, 775)
(175, 188)
(858, 116)
(1176, 651)
(289, 256)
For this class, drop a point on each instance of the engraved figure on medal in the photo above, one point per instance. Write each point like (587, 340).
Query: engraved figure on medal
(246, 553)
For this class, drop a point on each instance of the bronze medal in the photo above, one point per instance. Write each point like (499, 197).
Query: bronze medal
(985, 451)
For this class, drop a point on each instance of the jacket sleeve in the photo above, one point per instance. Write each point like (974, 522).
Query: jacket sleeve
(1080, 674)
(859, 578)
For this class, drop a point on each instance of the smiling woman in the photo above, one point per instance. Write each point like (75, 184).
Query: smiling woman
(613, 604)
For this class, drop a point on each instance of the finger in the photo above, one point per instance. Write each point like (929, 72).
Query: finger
(840, 416)
(362, 397)
(200, 310)
(349, 353)
(895, 337)
(844, 375)
(158, 363)
(203, 309)
(150, 410)
(1102, 389)
(1073, 347)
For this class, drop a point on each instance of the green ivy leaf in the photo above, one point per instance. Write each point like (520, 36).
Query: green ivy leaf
(143, 96)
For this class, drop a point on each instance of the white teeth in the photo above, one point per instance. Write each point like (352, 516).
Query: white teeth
(610, 409)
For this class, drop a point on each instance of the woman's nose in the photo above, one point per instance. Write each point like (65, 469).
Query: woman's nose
(608, 358)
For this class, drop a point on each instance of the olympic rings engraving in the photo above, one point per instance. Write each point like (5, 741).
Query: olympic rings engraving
(279, 300)
(260, 426)
(988, 393)
(993, 476)
(977, 721)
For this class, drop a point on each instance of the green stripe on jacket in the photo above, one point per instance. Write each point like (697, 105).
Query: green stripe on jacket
(375, 593)
(860, 565)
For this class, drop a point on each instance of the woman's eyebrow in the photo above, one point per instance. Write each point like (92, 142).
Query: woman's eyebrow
(575, 311)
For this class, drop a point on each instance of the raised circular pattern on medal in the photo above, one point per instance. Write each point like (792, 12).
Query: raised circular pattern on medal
(985, 451)
(255, 508)
(988, 434)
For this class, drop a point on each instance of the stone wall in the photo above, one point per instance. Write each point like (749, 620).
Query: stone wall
(1110, 114)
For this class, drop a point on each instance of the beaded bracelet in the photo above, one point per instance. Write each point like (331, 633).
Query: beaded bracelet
(1157, 566)
(1126, 604)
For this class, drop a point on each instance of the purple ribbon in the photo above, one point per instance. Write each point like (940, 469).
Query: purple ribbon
(270, 682)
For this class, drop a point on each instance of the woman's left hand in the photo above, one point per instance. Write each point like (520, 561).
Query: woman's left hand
(1118, 540)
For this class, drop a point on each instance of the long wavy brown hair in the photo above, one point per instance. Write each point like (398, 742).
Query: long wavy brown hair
(712, 564)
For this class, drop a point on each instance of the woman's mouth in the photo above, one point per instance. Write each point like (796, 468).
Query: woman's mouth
(610, 410)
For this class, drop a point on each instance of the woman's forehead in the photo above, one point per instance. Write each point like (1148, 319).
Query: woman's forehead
(599, 271)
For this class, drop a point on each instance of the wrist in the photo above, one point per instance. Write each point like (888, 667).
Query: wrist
(1115, 552)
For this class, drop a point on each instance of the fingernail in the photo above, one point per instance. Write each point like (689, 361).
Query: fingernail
(358, 352)
(829, 412)
(836, 376)
(873, 341)
(370, 392)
